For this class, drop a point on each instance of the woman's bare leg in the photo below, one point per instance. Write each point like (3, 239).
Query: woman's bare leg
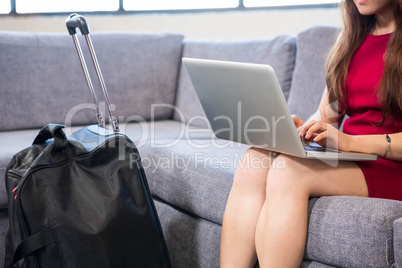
(282, 226)
(243, 209)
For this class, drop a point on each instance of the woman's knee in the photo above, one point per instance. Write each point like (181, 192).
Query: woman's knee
(253, 169)
(288, 176)
(255, 159)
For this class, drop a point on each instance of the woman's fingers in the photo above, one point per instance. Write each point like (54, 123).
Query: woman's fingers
(318, 127)
(328, 136)
(321, 136)
(305, 128)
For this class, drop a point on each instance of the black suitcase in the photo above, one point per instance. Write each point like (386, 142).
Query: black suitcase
(82, 201)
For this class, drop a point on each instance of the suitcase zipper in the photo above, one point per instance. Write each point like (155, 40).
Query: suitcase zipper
(15, 175)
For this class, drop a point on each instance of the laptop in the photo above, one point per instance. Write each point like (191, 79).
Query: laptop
(244, 103)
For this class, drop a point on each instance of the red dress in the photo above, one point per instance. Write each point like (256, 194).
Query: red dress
(383, 177)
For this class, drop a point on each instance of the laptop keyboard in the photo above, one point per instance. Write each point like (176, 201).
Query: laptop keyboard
(312, 146)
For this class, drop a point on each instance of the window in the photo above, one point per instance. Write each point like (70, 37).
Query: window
(177, 4)
(5, 7)
(49, 6)
(129, 6)
(266, 3)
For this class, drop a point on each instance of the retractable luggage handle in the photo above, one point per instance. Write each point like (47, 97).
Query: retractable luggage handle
(77, 21)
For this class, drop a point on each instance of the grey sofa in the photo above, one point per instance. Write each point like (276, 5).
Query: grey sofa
(189, 170)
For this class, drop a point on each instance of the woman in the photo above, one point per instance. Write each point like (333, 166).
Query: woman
(266, 213)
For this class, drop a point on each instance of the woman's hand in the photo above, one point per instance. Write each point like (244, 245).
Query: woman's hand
(324, 134)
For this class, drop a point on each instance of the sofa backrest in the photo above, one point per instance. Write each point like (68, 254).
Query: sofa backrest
(308, 82)
(41, 79)
(279, 52)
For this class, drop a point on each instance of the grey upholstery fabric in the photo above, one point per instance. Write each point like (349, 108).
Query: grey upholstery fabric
(308, 82)
(3, 194)
(197, 180)
(12, 142)
(279, 52)
(352, 231)
(3, 232)
(398, 242)
(191, 241)
(42, 73)
(313, 264)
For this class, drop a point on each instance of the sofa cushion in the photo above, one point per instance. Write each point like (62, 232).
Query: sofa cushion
(3, 231)
(280, 52)
(398, 242)
(43, 79)
(191, 241)
(308, 80)
(352, 231)
(195, 176)
(313, 264)
(12, 142)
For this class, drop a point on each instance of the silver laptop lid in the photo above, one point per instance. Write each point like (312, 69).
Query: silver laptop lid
(244, 103)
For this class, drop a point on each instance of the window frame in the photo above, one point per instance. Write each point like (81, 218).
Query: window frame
(122, 11)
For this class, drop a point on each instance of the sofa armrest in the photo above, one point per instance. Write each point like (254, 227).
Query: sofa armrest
(398, 242)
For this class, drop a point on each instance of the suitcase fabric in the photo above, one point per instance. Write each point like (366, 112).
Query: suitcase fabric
(81, 201)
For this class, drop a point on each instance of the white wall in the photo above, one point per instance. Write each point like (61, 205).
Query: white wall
(210, 25)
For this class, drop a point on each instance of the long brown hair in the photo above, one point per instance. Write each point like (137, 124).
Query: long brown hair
(356, 27)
